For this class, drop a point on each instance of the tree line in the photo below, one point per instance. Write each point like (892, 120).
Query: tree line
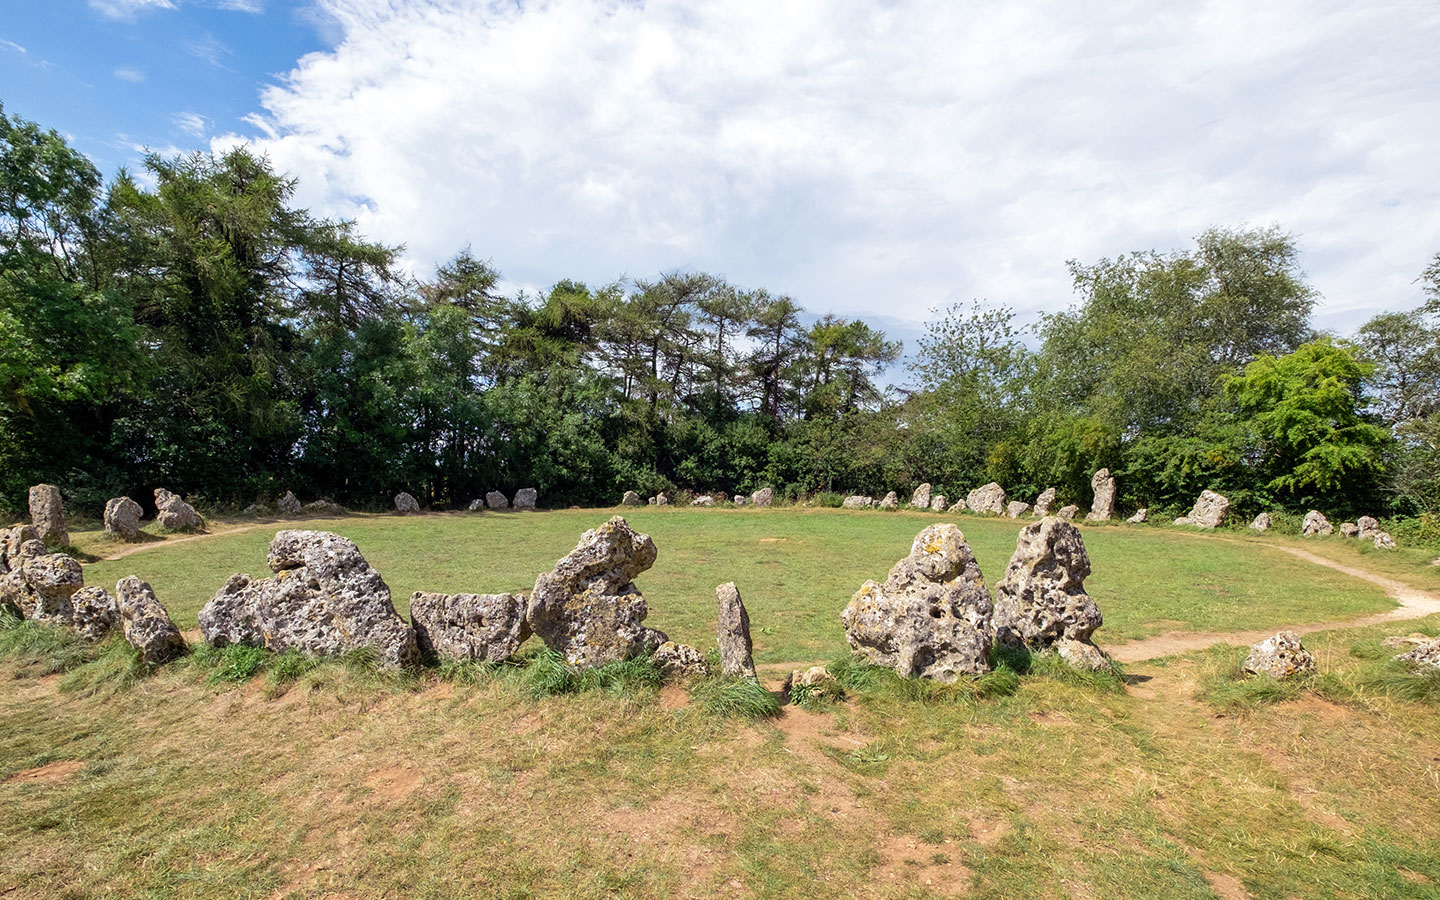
(189, 327)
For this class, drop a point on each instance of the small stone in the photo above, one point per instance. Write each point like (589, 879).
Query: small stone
(631, 499)
(525, 498)
(47, 515)
(703, 500)
(937, 503)
(324, 507)
(148, 626)
(476, 505)
(680, 661)
(1426, 655)
(738, 499)
(122, 518)
(763, 497)
(921, 498)
(496, 500)
(1081, 655)
(1044, 502)
(1413, 639)
(1383, 541)
(662, 500)
(1315, 524)
(1261, 522)
(1016, 508)
(256, 509)
(1140, 518)
(174, 514)
(1349, 529)
(1367, 527)
(94, 613)
(732, 632)
(406, 504)
(815, 683)
(857, 502)
(1103, 507)
(889, 501)
(1068, 513)
(1209, 510)
(987, 499)
(469, 627)
(1280, 657)
(288, 504)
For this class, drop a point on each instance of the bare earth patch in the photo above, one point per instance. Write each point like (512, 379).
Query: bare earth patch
(50, 773)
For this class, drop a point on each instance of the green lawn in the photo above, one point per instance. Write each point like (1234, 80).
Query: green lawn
(796, 569)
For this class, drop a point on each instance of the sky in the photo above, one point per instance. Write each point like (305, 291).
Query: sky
(878, 159)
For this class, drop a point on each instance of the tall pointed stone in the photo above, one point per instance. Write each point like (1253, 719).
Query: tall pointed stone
(732, 632)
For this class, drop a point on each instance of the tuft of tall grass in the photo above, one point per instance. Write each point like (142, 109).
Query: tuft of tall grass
(728, 695)
(879, 684)
(547, 674)
(42, 649)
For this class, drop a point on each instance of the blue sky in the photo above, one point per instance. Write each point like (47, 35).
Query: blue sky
(870, 159)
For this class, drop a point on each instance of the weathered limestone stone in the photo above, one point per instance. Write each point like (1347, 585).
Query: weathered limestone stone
(814, 683)
(93, 612)
(738, 499)
(1366, 527)
(122, 518)
(1427, 655)
(703, 500)
(1141, 517)
(1042, 598)
(662, 500)
(679, 661)
(1349, 529)
(1081, 655)
(588, 607)
(324, 507)
(1280, 657)
(1044, 502)
(1315, 523)
(525, 498)
(732, 632)
(324, 600)
(42, 584)
(937, 503)
(1068, 513)
(987, 499)
(763, 497)
(631, 499)
(47, 514)
(1208, 512)
(148, 626)
(496, 500)
(11, 542)
(1383, 541)
(476, 505)
(406, 504)
(174, 514)
(857, 502)
(921, 498)
(1016, 508)
(1103, 507)
(931, 617)
(469, 627)
(889, 501)
(1261, 522)
(288, 504)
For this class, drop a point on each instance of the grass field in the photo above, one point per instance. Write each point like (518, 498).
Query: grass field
(337, 781)
(796, 569)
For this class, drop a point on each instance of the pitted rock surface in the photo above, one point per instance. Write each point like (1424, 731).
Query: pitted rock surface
(525, 498)
(1315, 524)
(920, 499)
(732, 632)
(1261, 522)
(738, 499)
(1280, 657)
(763, 497)
(1016, 508)
(1208, 512)
(469, 627)
(148, 626)
(47, 514)
(1367, 527)
(1044, 502)
(588, 608)
(174, 514)
(94, 613)
(1426, 655)
(289, 504)
(678, 661)
(406, 504)
(1383, 541)
(889, 501)
(324, 600)
(987, 499)
(44, 583)
(931, 617)
(1349, 529)
(1042, 600)
(855, 501)
(122, 518)
(496, 500)
(631, 499)
(937, 503)
(1067, 513)
(1103, 506)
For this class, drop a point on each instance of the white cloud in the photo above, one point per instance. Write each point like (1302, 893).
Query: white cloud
(125, 73)
(13, 47)
(873, 159)
(191, 123)
(128, 9)
(208, 48)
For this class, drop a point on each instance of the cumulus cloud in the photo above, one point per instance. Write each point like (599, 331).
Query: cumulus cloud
(876, 159)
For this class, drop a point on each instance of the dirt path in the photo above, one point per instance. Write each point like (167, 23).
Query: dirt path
(1414, 604)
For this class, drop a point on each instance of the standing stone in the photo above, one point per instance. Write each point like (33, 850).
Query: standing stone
(324, 507)
(1044, 502)
(937, 503)
(703, 500)
(42, 584)
(588, 607)
(738, 500)
(288, 504)
(1016, 508)
(1280, 657)
(174, 514)
(476, 505)
(1208, 512)
(1366, 527)
(678, 661)
(662, 500)
(469, 627)
(732, 632)
(325, 600)
(496, 500)
(1383, 541)
(631, 499)
(1315, 523)
(93, 613)
(1042, 600)
(406, 504)
(931, 617)
(148, 627)
(525, 498)
(1141, 517)
(987, 499)
(47, 514)
(1261, 522)
(921, 498)
(890, 501)
(1067, 513)
(1103, 507)
(763, 497)
(1349, 529)
(122, 518)
(857, 502)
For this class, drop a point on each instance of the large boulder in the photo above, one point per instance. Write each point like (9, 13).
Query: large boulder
(588, 607)
(94, 613)
(406, 504)
(1042, 600)
(1261, 522)
(1315, 523)
(47, 514)
(931, 617)
(987, 499)
(889, 501)
(763, 497)
(469, 627)
(1103, 507)
(525, 498)
(1280, 657)
(122, 518)
(1208, 512)
(1044, 502)
(496, 500)
(1349, 529)
(732, 632)
(937, 503)
(289, 504)
(324, 600)
(703, 500)
(174, 514)
(1016, 508)
(148, 626)
(631, 499)
(46, 583)
(1367, 527)
(921, 498)
(856, 501)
